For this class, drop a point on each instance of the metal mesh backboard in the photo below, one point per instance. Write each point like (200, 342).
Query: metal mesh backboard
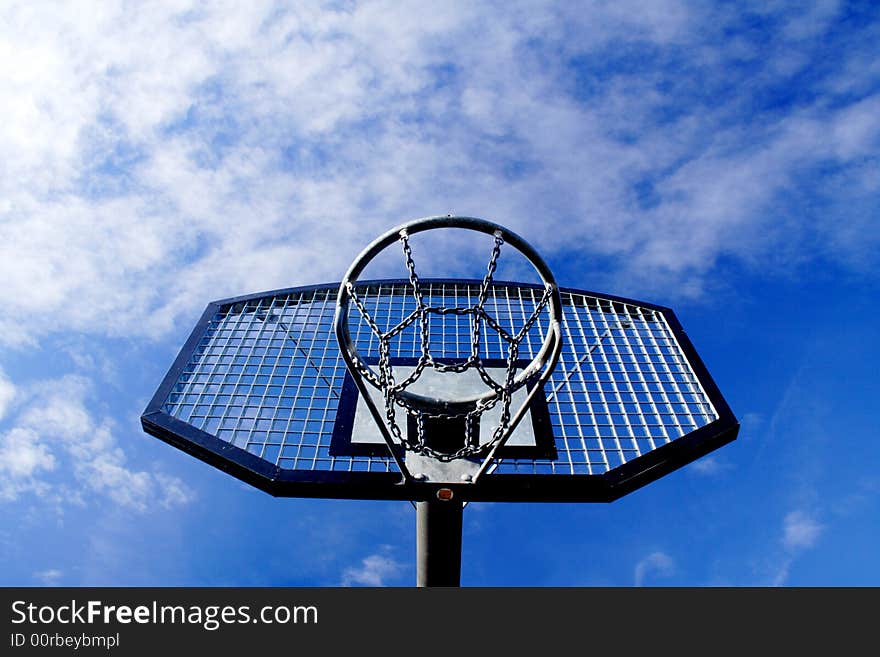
(260, 390)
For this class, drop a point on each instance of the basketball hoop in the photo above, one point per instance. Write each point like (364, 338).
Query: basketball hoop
(465, 411)
(477, 368)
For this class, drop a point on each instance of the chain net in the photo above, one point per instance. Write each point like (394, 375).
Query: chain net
(385, 380)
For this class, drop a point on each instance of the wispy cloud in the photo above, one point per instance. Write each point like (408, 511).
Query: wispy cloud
(709, 466)
(7, 393)
(217, 164)
(656, 564)
(22, 459)
(49, 577)
(800, 531)
(56, 432)
(374, 570)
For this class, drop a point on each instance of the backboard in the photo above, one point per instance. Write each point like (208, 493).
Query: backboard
(260, 390)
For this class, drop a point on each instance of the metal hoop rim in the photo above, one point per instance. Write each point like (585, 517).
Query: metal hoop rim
(540, 363)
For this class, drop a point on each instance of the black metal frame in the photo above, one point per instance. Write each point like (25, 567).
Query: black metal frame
(281, 482)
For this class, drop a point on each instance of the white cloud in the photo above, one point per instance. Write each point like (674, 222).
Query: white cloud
(782, 572)
(57, 409)
(7, 393)
(166, 155)
(56, 433)
(800, 531)
(709, 466)
(49, 577)
(374, 570)
(657, 564)
(22, 458)
(21, 454)
(172, 491)
(810, 21)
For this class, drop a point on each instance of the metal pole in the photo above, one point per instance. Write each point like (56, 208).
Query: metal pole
(438, 544)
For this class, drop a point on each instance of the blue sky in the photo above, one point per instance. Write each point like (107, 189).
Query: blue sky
(721, 159)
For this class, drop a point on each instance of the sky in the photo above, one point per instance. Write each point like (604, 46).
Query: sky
(722, 159)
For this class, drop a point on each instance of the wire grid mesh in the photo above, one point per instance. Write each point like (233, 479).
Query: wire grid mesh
(266, 375)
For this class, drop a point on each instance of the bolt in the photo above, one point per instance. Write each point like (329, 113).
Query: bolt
(445, 494)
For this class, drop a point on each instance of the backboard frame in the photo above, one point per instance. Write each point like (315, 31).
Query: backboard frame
(281, 482)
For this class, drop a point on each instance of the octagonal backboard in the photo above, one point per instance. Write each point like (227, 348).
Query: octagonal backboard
(260, 390)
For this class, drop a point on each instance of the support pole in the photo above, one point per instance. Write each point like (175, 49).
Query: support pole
(438, 543)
